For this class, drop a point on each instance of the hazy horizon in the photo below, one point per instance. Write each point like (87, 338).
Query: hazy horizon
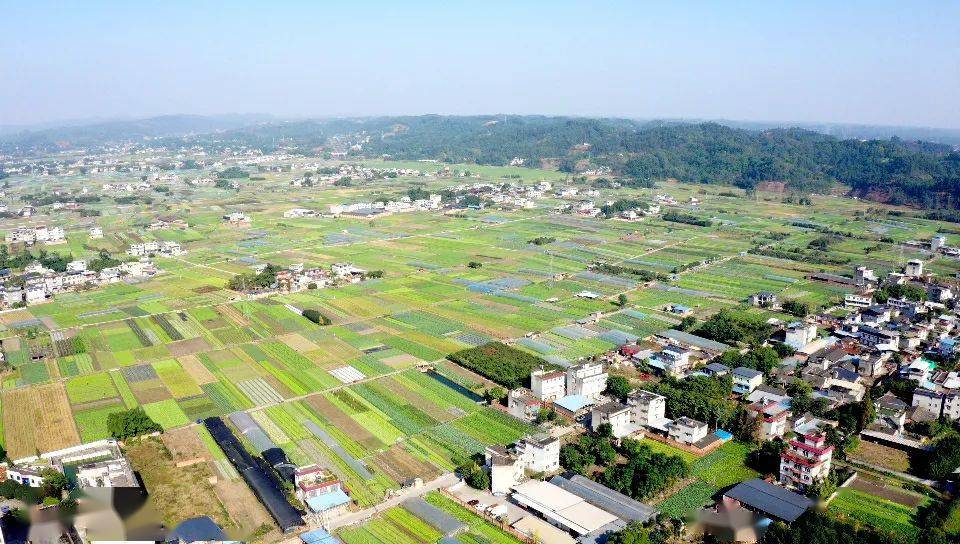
(876, 63)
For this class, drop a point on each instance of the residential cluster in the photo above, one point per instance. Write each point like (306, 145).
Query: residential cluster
(352, 172)
(165, 248)
(901, 326)
(30, 235)
(38, 284)
(381, 208)
(92, 465)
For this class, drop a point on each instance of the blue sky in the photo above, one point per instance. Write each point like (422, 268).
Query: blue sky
(856, 62)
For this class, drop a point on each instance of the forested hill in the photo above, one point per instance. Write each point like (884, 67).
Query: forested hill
(891, 170)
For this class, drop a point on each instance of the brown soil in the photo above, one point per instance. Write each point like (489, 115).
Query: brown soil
(884, 491)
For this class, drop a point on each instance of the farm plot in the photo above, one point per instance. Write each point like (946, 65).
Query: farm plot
(724, 466)
(90, 387)
(877, 512)
(177, 380)
(37, 419)
(396, 525)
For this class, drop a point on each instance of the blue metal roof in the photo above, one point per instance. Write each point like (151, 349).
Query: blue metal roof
(573, 402)
(318, 536)
(327, 501)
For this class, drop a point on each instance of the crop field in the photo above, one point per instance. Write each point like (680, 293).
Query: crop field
(400, 526)
(354, 395)
(717, 470)
(877, 512)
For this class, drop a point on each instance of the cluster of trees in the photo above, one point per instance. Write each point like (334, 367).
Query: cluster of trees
(252, 282)
(46, 199)
(418, 193)
(763, 358)
(590, 451)
(907, 291)
(659, 532)
(621, 205)
(638, 273)
(700, 397)
(731, 327)
(50, 491)
(796, 307)
(316, 317)
(131, 423)
(496, 361)
(103, 260)
(818, 526)
(18, 261)
(233, 172)
(644, 474)
(474, 475)
(803, 401)
(542, 240)
(689, 219)
(800, 255)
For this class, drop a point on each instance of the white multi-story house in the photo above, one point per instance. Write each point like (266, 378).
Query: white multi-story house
(773, 418)
(548, 385)
(36, 293)
(617, 414)
(798, 334)
(508, 466)
(943, 401)
(171, 248)
(299, 212)
(875, 336)
(647, 408)
(237, 218)
(588, 379)
(539, 454)
(806, 461)
(673, 360)
(345, 269)
(77, 266)
(522, 404)
(857, 301)
(745, 380)
(95, 233)
(687, 430)
(40, 233)
(913, 268)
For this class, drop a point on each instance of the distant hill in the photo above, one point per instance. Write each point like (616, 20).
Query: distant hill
(80, 134)
(892, 170)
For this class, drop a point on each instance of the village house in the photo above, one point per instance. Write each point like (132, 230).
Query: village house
(237, 219)
(806, 461)
(548, 385)
(745, 380)
(687, 430)
(32, 235)
(587, 379)
(509, 466)
(321, 491)
(522, 404)
(773, 418)
(617, 414)
(647, 409)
